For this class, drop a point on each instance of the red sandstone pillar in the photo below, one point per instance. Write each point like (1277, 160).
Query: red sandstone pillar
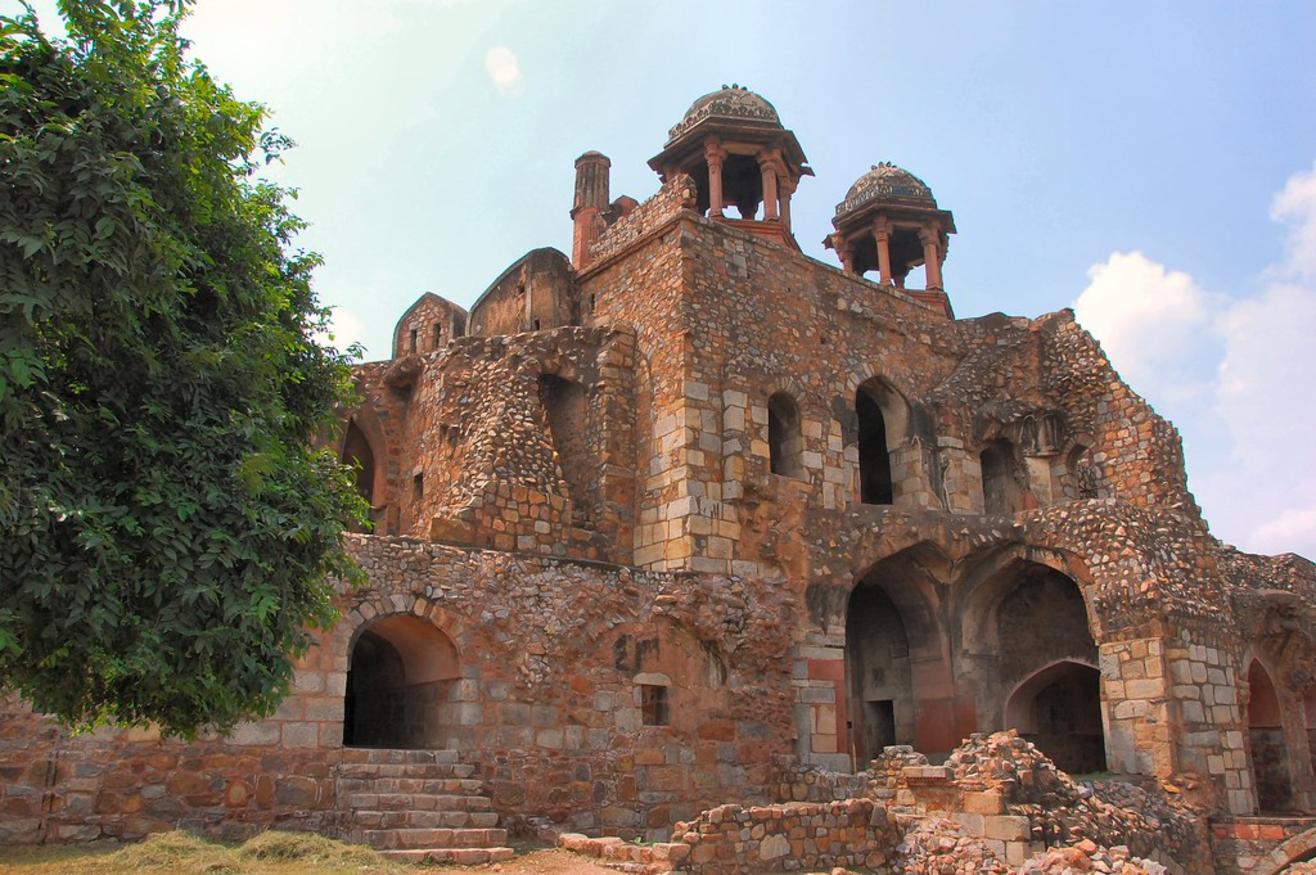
(714, 154)
(767, 165)
(788, 187)
(882, 235)
(931, 240)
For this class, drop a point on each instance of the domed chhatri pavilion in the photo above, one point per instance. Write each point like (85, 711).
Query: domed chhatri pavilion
(642, 547)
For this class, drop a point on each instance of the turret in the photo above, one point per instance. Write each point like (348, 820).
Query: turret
(590, 202)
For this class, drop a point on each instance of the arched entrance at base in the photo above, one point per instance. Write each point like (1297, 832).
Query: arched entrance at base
(1058, 708)
(1268, 750)
(400, 672)
(899, 687)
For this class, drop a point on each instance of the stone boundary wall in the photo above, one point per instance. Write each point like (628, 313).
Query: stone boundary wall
(798, 835)
(1262, 845)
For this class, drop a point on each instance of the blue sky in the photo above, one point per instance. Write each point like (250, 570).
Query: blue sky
(1155, 162)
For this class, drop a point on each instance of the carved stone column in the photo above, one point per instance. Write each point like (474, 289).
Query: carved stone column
(930, 237)
(787, 186)
(768, 167)
(882, 236)
(715, 155)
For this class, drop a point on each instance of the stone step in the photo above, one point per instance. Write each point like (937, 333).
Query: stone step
(457, 856)
(433, 786)
(405, 839)
(396, 755)
(409, 819)
(362, 771)
(418, 802)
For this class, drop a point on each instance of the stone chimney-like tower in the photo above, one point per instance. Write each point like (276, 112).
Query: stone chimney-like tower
(590, 202)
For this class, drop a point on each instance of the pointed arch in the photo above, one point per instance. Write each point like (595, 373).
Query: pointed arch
(1268, 751)
(1058, 708)
(882, 416)
(358, 452)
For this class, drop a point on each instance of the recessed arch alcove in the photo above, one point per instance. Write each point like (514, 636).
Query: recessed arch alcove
(1028, 656)
(400, 673)
(1058, 708)
(899, 684)
(1267, 748)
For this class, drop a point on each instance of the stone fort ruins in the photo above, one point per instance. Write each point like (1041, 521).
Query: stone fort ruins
(696, 539)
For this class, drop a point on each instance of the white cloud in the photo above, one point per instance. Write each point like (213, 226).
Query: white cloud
(1296, 205)
(505, 71)
(1256, 419)
(1290, 532)
(345, 329)
(1148, 319)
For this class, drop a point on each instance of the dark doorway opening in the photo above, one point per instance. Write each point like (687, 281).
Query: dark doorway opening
(875, 486)
(399, 677)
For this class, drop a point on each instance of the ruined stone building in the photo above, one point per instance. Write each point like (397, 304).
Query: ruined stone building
(662, 524)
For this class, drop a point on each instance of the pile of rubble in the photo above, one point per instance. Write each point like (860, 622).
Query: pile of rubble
(1063, 812)
(1087, 856)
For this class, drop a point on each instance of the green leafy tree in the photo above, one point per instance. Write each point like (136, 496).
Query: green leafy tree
(167, 526)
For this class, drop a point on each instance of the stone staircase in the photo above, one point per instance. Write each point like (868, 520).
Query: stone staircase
(418, 806)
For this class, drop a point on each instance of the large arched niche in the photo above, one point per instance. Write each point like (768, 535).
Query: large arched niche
(1027, 655)
(1268, 751)
(899, 688)
(1058, 708)
(401, 669)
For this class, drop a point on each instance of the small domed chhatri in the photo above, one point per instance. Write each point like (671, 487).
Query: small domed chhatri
(889, 182)
(734, 102)
(732, 144)
(889, 220)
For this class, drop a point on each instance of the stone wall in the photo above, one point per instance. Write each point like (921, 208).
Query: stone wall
(1262, 845)
(797, 835)
(536, 292)
(548, 709)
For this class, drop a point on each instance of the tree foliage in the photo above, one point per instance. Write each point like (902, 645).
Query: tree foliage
(166, 525)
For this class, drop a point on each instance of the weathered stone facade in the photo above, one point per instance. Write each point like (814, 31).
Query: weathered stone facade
(659, 526)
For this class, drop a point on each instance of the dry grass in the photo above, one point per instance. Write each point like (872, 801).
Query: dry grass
(284, 853)
(270, 853)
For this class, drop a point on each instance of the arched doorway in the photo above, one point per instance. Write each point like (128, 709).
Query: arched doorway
(1058, 708)
(399, 676)
(898, 679)
(1265, 730)
(878, 663)
(358, 454)
(1027, 657)
(882, 418)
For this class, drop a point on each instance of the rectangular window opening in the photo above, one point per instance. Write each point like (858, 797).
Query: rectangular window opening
(418, 486)
(653, 704)
(415, 336)
(438, 335)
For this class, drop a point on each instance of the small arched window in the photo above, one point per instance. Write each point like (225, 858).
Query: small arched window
(875, 484)
(785, 440)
